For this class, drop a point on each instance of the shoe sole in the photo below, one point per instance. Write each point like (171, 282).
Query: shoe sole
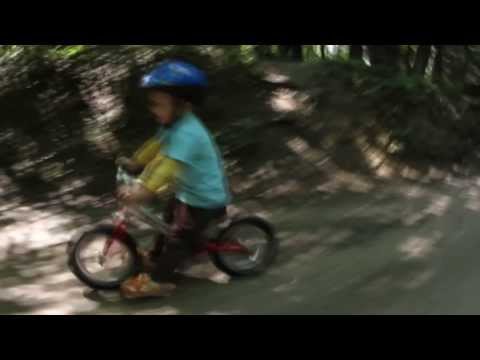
(132, 296)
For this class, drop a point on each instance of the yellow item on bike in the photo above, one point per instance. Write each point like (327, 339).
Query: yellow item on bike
(147, 152)
(160, 173)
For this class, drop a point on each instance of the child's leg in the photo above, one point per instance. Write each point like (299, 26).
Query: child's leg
(160, 241)
(202, 218)
(187, 227)
(178, 248)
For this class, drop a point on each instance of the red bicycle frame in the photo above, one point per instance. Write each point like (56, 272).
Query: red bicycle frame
(231, 248)
(120, 232)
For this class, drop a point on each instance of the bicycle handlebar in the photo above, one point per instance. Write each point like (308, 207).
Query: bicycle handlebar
(145, 212)
(123, 177)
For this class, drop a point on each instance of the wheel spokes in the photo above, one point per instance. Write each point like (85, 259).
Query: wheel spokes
(96, 264)
(251, 238)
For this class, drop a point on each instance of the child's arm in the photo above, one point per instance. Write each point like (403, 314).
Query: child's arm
(147, 152)
(155, 179)
(144, 155)
(159, 174)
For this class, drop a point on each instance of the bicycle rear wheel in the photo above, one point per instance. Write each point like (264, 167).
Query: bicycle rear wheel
(255, 235)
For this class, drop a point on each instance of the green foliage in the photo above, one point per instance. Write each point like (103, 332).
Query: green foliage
(406, 82)
(312, 53)
(405, 105)
(247, 53)
(39, 51)
(66, 51)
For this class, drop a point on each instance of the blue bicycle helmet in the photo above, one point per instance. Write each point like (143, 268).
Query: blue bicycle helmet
(178, 78)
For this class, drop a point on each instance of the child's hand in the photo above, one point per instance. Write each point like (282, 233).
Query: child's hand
(134, 194)
(124, 193)
(124, 162)
(128, 164)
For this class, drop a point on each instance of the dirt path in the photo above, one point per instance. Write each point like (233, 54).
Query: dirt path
(396, 249)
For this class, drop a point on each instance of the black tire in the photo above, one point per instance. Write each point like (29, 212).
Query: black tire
(92, 282)
(268, 258)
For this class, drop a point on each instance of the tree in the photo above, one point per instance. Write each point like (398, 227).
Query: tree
(356, 52)
(408, 57)
(264, 51)
(385, 57)
(438, 64)
(294, 52)
(469, 60)
(421, 60)
(297, 52)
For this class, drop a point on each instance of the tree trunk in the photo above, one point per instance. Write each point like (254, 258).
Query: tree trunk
(385, 58)
(322, 51)
(282, 51)
(264, 51)
(471, 56)
(438, 64)
(466, 66)
(297, 52)
(471, 87)
(293, 52)
(407, 59)
(356, 52)
(421, 60)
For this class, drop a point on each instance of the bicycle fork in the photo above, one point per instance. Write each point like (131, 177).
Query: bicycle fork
(119, 233)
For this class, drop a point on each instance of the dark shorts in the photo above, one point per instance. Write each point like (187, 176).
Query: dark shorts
(188, 223)
(186, 238)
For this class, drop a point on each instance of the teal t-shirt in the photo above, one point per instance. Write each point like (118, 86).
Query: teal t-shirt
(202, 182)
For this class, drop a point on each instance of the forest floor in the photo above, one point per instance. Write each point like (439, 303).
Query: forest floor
(396, 248)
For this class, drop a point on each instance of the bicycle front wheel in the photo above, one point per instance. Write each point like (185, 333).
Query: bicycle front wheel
(99, 269)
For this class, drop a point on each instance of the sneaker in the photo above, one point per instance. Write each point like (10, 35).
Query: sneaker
(143, 286)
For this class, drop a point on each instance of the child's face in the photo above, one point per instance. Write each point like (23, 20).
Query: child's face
(162, 106)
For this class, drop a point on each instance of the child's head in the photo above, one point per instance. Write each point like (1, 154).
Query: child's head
(165, 107)
(174, 87)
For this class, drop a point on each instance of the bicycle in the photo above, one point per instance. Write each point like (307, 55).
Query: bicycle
(106, 264)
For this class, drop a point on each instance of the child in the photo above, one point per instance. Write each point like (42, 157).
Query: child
(184, 156)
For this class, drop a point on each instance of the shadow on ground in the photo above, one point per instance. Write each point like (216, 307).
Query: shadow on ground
(368, 252)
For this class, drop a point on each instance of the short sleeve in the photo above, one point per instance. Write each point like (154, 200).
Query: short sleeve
(183, 146)
(147, 152)
(159, 173)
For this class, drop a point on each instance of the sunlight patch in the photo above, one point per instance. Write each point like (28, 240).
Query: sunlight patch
(285, 101)
(285, 287)
(420, 279)
(418, 247)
